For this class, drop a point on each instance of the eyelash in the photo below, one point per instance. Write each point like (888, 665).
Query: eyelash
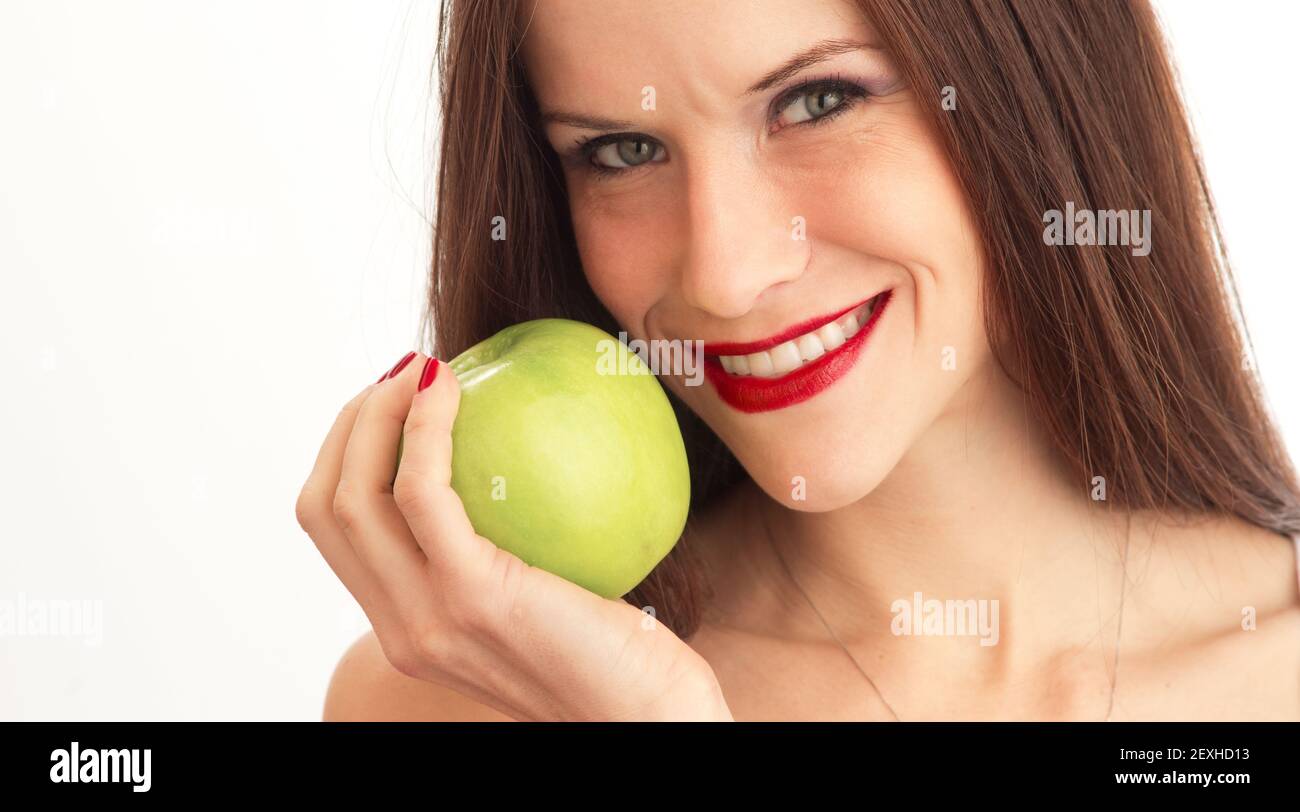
(585, 148)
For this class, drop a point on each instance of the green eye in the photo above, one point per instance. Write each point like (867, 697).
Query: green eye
(625, 153)
(823, 101)
(813, 104)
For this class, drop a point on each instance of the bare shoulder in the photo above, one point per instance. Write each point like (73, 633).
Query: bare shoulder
(1225, 563)
(1217, 622)
(366, 688)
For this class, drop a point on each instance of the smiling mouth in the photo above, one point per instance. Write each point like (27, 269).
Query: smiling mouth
(795, 365)
(803, 349)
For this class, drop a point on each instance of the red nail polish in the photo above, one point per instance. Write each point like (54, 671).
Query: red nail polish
(430, 372)
(398, 367)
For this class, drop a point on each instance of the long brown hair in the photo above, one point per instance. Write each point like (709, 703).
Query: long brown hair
(1138, 366)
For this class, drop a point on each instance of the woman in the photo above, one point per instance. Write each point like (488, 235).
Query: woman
(972, 357)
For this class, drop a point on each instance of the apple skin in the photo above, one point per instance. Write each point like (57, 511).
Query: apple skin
(591, 465)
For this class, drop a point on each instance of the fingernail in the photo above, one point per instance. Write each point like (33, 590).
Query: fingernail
(398, 367)
(430, 372)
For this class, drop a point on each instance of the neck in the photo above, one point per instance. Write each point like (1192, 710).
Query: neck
(981, 508)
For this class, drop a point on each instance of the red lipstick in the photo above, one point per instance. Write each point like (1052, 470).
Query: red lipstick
(750, 393)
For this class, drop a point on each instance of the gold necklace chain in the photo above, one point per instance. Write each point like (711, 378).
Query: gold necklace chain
(1110, 702)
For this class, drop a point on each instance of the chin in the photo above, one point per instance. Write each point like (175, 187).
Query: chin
(843, 442)
(835, 477)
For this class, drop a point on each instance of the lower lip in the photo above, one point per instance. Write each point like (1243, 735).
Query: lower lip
(750, 394)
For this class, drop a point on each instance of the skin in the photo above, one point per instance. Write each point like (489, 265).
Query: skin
(917, 477)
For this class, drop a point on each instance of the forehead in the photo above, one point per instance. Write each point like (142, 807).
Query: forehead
(575, 50)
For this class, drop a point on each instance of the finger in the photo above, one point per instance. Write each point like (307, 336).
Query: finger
(316, 515)
(364, 504)
(432, 510)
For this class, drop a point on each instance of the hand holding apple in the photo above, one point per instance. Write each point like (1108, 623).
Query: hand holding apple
(451, 607)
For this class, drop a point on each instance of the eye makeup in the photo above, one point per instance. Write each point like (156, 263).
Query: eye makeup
(851, 92)
(581, 155)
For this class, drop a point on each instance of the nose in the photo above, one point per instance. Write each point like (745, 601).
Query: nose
(742, 238)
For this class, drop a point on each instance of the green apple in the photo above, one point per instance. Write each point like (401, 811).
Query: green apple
(566, 452)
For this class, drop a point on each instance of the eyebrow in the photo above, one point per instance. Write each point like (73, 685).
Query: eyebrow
(586, 122)
(819, 52)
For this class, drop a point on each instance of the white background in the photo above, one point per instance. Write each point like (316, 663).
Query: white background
(213, 232)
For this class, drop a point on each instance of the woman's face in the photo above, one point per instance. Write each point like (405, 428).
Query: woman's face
(723, 200)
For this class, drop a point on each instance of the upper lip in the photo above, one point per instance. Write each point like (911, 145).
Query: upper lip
(749, 347)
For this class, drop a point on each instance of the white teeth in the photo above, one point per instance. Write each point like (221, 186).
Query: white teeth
(760, 364)
(810, 347)
(831, 336)
(785, 358)
(805, 349)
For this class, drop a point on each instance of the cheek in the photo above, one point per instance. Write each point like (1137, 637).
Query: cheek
(623, 251)
(894, 198)
(891, 194)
